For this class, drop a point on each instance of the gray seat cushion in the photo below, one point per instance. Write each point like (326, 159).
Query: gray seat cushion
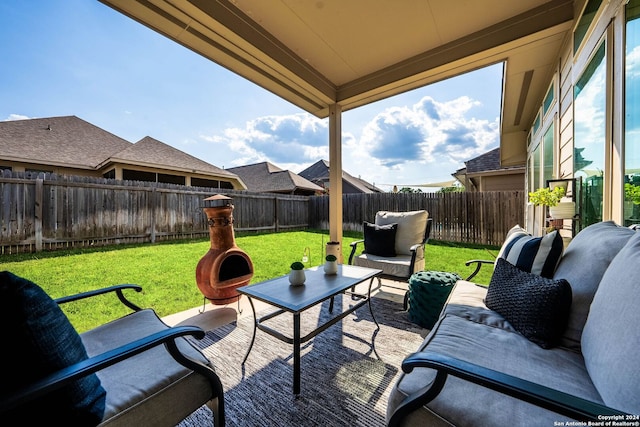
(465, 403)
(611, 334)
(150, 388)
(583, 264)
(398, 266)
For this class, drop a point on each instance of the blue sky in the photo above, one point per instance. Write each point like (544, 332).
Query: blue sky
(79, 57)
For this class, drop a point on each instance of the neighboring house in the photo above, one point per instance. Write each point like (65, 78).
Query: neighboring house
(484, 173)
(319, 173)
(268, 178)
(71, 146)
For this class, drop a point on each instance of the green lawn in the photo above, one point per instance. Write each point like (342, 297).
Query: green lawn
(166, 271)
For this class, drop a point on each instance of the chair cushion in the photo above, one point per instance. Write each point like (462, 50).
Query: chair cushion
(380, 239)
(398, 266)
(411, 228)
(536, 306)
(597, 243)
(40, 340)
(537, 255)
(150, 388)
(611, 334)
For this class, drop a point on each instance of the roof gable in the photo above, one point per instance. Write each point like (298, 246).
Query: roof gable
(319, 172)
(151, 152)
(61, 141)
(267, 177)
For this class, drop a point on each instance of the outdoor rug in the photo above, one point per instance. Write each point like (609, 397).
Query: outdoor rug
(343, 382)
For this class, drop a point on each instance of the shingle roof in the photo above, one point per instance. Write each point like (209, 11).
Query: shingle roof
(267, 177)
(72, 142)
(61, 141)
(489, 161)
(151, 152)
(319, 172)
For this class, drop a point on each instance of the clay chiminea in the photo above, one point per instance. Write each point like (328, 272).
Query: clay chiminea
(225, 267)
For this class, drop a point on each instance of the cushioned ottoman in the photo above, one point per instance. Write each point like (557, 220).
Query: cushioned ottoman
(428, 291)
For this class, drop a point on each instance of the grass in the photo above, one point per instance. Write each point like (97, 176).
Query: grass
(166, 271)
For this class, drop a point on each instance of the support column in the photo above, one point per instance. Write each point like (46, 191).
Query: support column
(335, 174)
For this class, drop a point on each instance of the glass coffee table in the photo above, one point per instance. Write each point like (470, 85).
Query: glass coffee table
(318, 287)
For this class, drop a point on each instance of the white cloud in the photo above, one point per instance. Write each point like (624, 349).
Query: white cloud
(394, 142)
(13, 117)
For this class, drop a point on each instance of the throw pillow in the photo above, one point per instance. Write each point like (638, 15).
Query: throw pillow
(380, 239)
(536, 306)
(39, 341)
(537, 255)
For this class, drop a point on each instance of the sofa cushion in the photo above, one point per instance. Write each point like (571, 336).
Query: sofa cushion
(612, 331)
(583, 264)
(467, 301)
(411, 227)
(537, 307)
(42, 341)
(537, 255)
(380, 239)
(465, 404)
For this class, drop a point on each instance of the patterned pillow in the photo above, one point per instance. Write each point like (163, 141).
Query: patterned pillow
(537, 255)
(535, 306)
(380, 239)
(39, 340)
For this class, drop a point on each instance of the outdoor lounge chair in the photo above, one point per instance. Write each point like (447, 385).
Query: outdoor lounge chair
(135, 370)
(394, 244)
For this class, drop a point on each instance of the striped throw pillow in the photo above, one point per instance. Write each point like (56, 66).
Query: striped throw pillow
(536, 255)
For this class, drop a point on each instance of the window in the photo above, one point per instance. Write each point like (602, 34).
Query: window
(585, 21)
(547, 154)
(548, 101)
(536, 124)
(632, 115)
(590, 136)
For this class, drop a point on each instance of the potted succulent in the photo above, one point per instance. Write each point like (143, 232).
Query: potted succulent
(296, 275)
(331, 264)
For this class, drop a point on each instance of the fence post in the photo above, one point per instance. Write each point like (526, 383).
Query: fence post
(38, 213)
(276, 213)
(152, 209)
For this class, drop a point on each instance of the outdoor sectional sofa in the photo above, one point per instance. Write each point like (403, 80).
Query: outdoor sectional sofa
(476, 368)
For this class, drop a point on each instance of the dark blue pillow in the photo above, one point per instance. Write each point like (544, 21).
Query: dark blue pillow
(536, 306)
(380, 239)
(39, 340)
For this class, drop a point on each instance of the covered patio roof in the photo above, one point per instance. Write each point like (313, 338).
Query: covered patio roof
(315, 53)
(329, 56)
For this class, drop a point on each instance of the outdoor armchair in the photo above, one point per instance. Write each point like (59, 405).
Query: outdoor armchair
(395, 244)
(135, 370)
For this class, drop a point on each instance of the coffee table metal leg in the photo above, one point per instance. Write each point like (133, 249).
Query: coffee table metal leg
(255, 326)
(296, 353)
(369, 302)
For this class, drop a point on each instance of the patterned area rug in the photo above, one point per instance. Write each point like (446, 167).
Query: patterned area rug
(343, 382)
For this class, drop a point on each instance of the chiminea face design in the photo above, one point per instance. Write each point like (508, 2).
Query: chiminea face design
(225, 267)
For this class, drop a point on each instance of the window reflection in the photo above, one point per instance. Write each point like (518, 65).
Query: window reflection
(589, 132)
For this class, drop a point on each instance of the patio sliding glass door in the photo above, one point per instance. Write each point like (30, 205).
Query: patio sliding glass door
(632, 115)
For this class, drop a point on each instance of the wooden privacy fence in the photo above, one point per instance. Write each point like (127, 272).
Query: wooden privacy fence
(45, 211)
(467, 217)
